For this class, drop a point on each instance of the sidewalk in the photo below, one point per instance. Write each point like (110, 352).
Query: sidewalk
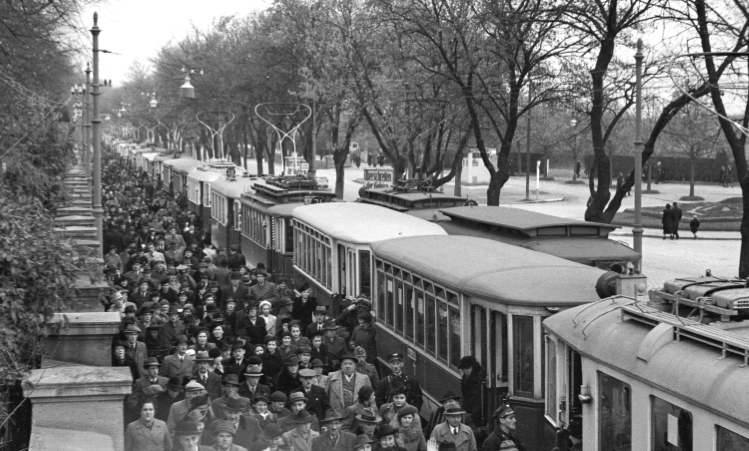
(685, 234)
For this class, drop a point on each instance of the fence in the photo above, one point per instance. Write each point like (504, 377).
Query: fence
(676, 168)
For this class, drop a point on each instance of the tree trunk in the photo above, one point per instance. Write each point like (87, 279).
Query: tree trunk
(457, 190)
(339, 179)
(691, 175)
(492, 193)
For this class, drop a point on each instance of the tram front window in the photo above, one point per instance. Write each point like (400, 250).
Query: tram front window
(672, 426)
(523, 344)
(615, 414)
(365, 281)
(731, 441)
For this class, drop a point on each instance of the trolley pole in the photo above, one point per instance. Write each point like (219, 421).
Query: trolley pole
(311, 171)
(528, 147)
(637, 230)
(87, 116)
(96, 124)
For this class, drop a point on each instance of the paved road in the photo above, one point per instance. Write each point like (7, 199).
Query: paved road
(662, 260)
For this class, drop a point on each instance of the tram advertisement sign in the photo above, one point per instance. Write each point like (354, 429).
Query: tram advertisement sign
(378, 177)
(296, 166)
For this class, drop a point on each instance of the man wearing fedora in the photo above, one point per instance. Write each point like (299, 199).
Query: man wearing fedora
(178, 364)
(236, 364)
(334, 439)
(252, 385)
(173, 393)
(224, 437)
(180, 409)
(453, 430)
(300, 438)
(385, 434)
(367, 421)
(187, 436)
(171, 328)
(503, 436)
(135, 351)
(297, 403)
(207, 378)
(230, 389)
(398, 377)
(335, 344)
(317, 399)
(343, 385)
(318, 326)
(246, 428)
(151, 377)
(235, 289)
(438, 416)
(263, 289)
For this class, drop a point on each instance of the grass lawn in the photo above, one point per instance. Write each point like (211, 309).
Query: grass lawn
(723, 216)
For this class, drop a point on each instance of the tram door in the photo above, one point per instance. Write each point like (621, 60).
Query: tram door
(489, 345)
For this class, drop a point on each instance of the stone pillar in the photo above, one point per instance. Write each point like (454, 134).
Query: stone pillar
(77, 407)
(83, 338)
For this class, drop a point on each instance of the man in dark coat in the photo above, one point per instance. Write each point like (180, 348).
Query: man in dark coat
(207, 378)
(667, 221)
(470, 387)
(503, 436)
(676, 214)
(333, 439)
(236, 259)
(317, 398)
(398, 377)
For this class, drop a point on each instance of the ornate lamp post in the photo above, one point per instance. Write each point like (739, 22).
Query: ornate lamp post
(96, 122)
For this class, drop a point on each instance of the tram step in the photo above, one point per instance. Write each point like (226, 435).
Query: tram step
(77, 232)
(74, 220)
(79, 211)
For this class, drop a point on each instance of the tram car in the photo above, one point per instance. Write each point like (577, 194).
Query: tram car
(159, 170)
(200, 180)
(580, 241)
(415, 197)
(439, 298)
(178, 168)
(267, 235)
(572, 239)
(332, 245)
(226, 207)
(667, 372)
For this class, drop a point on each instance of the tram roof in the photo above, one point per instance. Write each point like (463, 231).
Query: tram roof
(578, 249)
(493, 270)
(150, 156)
(232, 189)
(283, 210)
(529, 222)
(202, 175)
(356, 222)
(183, 165)
(685, 368)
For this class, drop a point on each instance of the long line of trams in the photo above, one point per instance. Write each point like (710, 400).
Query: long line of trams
(631, 371)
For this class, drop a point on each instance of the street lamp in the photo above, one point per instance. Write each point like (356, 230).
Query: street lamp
(573, 124)
(187, 90)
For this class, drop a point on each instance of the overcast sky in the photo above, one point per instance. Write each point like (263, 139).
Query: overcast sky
(137, 29)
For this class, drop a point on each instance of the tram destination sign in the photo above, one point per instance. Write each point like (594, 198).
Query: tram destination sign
(379, 178)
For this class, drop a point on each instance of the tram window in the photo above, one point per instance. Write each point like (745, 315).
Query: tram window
(442, 333)
(365, 271)
(417, 282)
(410, 305)
(389, 301)
(452, 298)
(523, 352)
(289, 244)
(399, 306)
(552, 231)
(430, 326)
(672, 426)
(731, 441)
(381, 295)
(455, 335)
(615, 414)
(551, 379)
(428, 287)
(328, 267)
(439, 291)
(420, 317)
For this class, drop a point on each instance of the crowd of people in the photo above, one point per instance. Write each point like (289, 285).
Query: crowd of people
(225, 358)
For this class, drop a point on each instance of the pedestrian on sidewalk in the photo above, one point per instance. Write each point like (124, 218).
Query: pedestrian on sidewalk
(676, 213)
(667, 221)
(694, 225)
